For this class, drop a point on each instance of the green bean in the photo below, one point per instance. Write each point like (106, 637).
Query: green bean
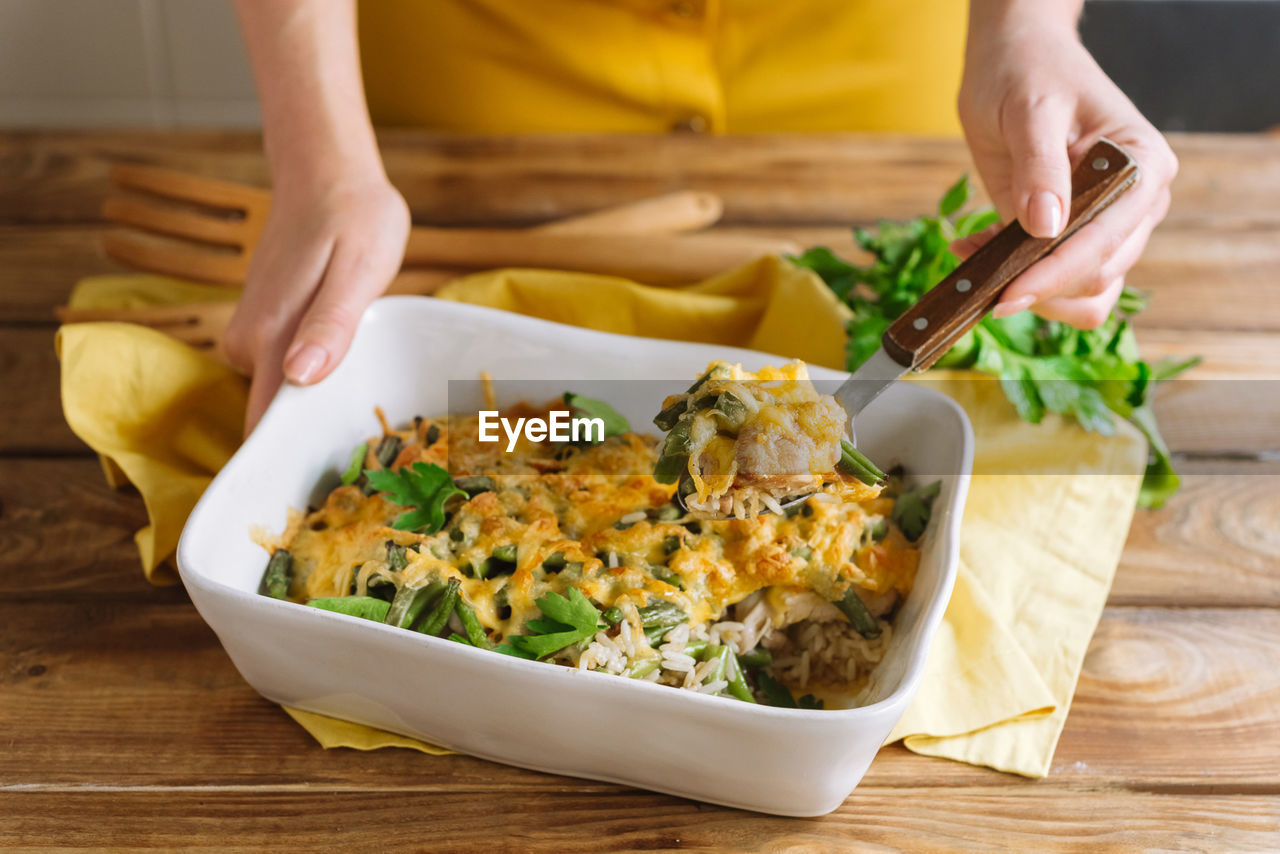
(481, 569)
(670, 544)
(862, 620)
(669, 513)
(505, 553)
(435, 621)
(397, 555)
(388, 450)
(878, 530)
(854, 462)
(473, 485)
(457, 535)
(471, 624)
(612, 616)
(666, 419)
(655, 633)
(732, 412)
(276, 577)
(355, 467)
(737, 683)
(666, 576)
(364, 607)
(644, 668)
(457, 638)
(409, 603)
(757, 657)
(675, 454)
(802, 552)
(697, 649)
(661, 612)
(433, 434)
(720, 654)
(669, 415)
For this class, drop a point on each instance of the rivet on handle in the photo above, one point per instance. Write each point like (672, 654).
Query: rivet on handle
(920, 322)
(963, 285)
(1101, 163)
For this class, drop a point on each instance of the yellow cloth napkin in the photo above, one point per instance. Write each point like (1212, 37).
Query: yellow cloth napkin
(1037, 550)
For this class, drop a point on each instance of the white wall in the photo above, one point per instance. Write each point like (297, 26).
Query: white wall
(123, 63)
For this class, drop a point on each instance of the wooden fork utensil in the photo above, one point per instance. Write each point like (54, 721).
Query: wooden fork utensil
(197, 228)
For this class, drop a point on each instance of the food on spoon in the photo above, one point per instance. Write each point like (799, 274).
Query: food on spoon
(741, 442)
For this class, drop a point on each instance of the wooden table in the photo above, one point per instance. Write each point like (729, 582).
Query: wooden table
(124, 724)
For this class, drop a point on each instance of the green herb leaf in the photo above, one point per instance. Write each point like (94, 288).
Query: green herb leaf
(424, 487)
(912, 509)
(586, 407)
(1092, 376)
(955, 197)
(364, 607)
(565, 620)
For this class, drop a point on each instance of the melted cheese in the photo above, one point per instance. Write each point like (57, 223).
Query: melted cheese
(551, 499)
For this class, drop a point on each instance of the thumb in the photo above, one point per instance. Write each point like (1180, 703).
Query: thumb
(1037, 140)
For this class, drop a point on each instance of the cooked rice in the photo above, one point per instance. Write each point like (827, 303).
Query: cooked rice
(817, 650)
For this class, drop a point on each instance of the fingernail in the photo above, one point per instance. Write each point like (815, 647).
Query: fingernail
(1005, 309)
(1044, 214)
(304, 362)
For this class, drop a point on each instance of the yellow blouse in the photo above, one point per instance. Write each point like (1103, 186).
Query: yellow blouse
(510, 66)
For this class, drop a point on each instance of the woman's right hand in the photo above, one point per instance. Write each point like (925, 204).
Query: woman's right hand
(330, 247)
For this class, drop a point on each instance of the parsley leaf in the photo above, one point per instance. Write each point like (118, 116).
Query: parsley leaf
(564, 622)
(422, 487)
(1091, 375)
(913, 507)
(586, 407)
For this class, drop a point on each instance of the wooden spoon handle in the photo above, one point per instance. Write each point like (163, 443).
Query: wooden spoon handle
(922, 334)
(683, 210)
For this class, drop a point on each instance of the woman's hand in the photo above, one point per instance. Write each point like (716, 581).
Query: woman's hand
(1032, 102)
(336, 233)
(329, 248)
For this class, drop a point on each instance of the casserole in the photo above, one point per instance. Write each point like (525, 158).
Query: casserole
(415, 355)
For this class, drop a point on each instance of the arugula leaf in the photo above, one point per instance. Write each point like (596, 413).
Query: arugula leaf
(564, 622)
(423, 487)
(912, 509)
(364, 607)
(614, 423)
(1043, 366)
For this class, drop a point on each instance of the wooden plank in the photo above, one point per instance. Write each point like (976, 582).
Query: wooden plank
(1215, 544)
(60, 176)
(1187, 697)
(938, 820)
(40, 264)
(30, 397)
(136, 691)
(1181, 269)
(63, 531)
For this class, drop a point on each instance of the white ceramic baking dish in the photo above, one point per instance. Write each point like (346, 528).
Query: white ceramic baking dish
(530, 714)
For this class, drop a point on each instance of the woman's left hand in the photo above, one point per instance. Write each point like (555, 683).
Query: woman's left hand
(1032, 103)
